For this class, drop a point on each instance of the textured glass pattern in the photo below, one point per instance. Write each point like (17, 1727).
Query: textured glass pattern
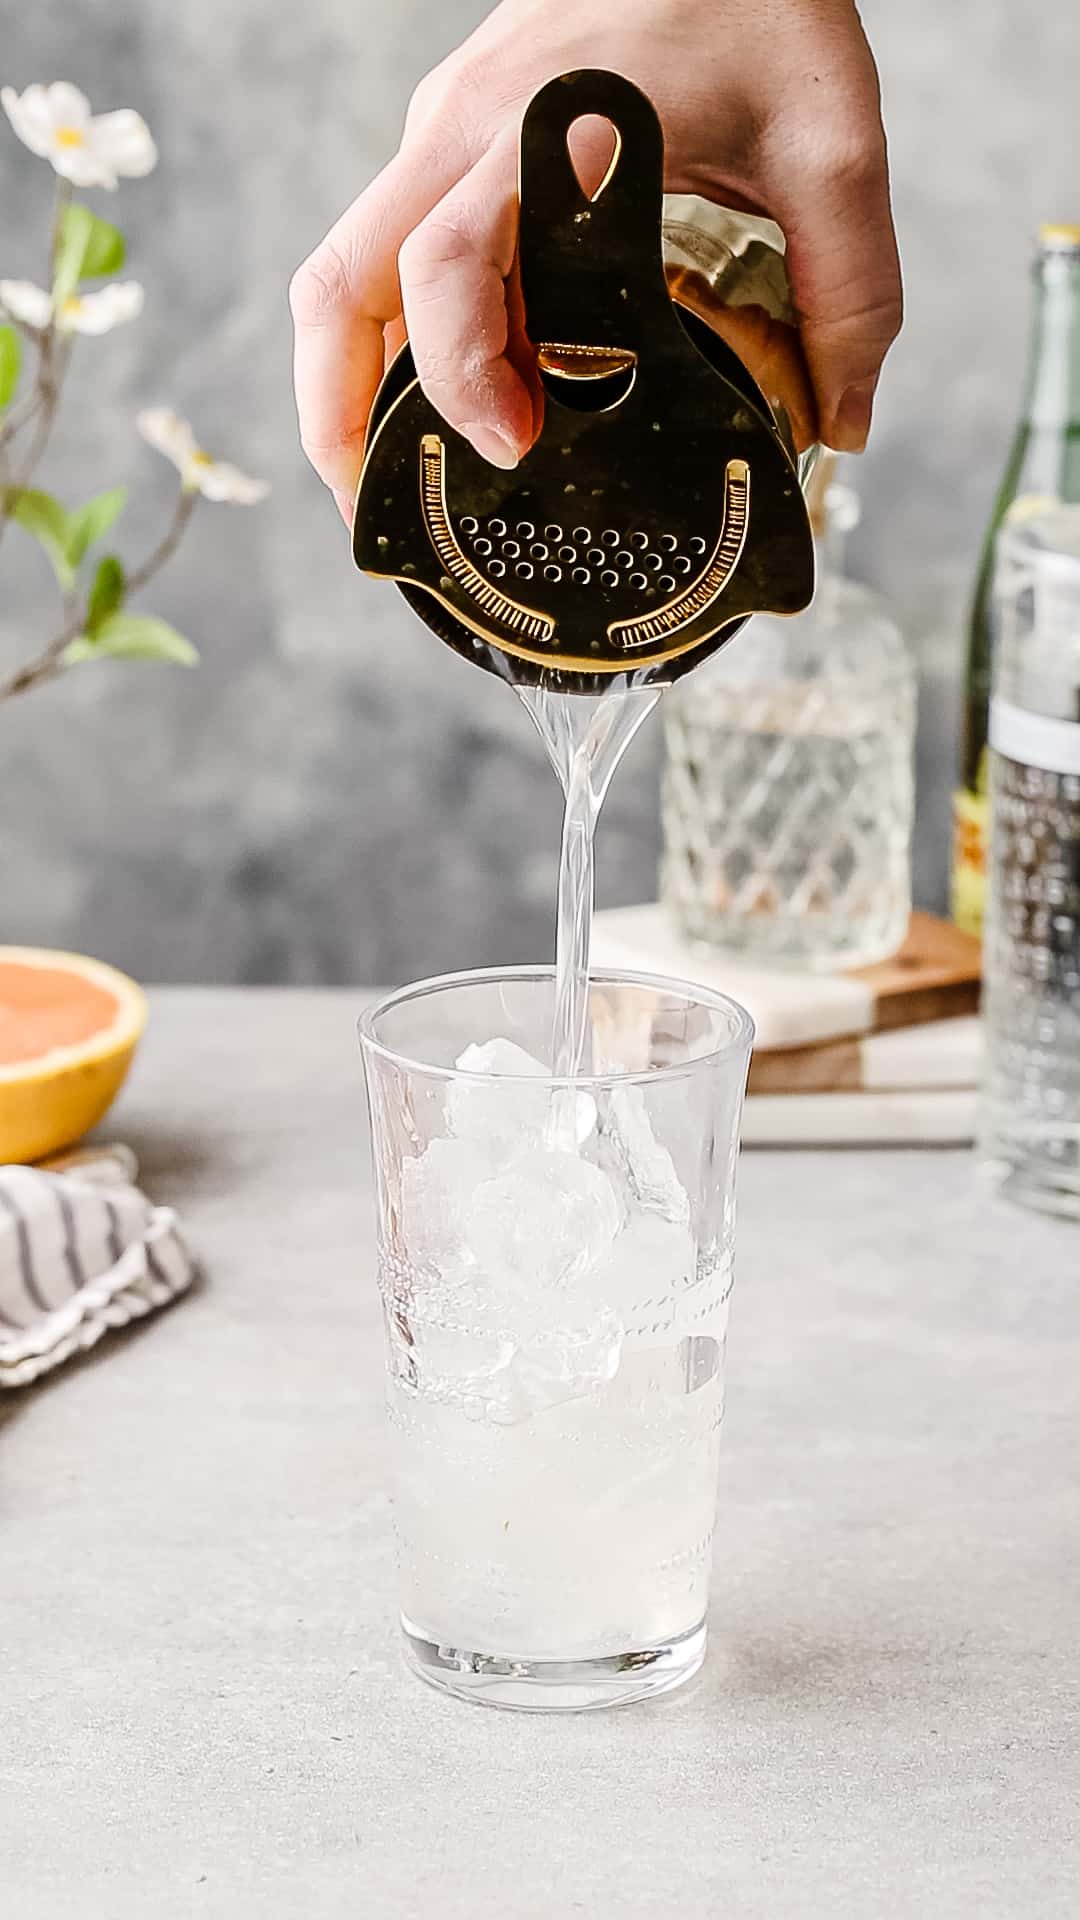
(788, 799)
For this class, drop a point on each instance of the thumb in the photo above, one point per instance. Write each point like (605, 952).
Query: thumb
(845, 277)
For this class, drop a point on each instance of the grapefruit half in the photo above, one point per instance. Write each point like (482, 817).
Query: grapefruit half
(68, 1029)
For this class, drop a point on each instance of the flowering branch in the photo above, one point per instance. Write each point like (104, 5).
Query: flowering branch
(87, 150)
(51, 660)
(52, 365)
(186, 503)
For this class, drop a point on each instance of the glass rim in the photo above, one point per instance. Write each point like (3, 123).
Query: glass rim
(741, 1040)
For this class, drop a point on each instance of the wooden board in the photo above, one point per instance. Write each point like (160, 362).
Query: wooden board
(935, 976)
(941, 1056)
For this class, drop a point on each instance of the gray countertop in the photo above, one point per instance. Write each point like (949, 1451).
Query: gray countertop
(202, 1708)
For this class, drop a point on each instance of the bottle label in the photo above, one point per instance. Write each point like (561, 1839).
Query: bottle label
(1034, 739)
(971, 821)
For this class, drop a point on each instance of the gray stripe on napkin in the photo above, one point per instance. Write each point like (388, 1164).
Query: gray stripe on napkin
(26, 1256)
(116, 1245)
(157, 1269)
(71, 1245)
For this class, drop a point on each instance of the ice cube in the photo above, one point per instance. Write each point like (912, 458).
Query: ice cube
(542, 1224)
(560, 1364)
(632, 1149)
(504, 1117)
(437, 1189)
(648, 1272)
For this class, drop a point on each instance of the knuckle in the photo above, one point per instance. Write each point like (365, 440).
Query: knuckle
(441, 240)
(889, 316)
(864, 333)
(456, 95)
(850, 159)
(323, 284)
(424, 98)
(440, 373)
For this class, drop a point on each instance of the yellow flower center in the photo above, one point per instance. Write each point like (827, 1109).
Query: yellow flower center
(69, 136)
(71, 306)
(201, 459)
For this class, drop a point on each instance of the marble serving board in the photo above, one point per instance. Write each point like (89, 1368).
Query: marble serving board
(912, 1118)
(934, 977)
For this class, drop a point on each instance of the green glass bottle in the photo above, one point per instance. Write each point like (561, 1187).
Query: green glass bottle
(1043, 465)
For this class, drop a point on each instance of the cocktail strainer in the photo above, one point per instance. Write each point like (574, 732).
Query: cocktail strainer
(659, 506)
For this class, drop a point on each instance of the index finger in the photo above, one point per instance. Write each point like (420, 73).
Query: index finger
(344, 295)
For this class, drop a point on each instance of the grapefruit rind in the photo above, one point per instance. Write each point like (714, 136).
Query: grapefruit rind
(50, 1101)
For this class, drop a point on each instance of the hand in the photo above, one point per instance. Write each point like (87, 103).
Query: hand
(771, 106)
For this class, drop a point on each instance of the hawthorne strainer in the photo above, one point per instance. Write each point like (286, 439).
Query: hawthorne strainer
(660, 505)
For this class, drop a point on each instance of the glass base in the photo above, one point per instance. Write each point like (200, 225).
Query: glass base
(555, 1686)
(1037, 1188)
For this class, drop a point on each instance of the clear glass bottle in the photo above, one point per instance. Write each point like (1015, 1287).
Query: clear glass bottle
(788, 788)
(1043, 465)
(1030, 1120)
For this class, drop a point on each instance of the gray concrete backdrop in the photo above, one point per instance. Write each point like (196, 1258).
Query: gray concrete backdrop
(333, 796)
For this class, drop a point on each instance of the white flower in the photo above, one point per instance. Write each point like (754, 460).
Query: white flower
(92, 150)
(199, 472)
(101, 311)
(23, 301)
(79, 313)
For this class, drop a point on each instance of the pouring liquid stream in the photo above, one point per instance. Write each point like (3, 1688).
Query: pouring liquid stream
(585, 737)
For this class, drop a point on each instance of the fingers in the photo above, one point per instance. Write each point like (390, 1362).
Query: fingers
(833, 204)
(453, 269)
(341, 299)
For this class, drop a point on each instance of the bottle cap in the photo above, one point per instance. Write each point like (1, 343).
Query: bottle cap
(1058, 237)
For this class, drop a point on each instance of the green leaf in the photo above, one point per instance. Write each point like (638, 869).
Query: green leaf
(106, 594)
(87, 523)
(10, 359)
(106, 250)
(86, 248)
(45, 518)
(129, 636)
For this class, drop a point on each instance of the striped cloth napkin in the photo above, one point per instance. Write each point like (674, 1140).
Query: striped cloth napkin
(81, 1250)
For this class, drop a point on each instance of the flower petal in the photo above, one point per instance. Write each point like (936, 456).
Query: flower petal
(98, 312)
(219, 481)
(30, 116)
(171, 435)
(26, 302)
(68, 106)
(83, 167)
(123, 144)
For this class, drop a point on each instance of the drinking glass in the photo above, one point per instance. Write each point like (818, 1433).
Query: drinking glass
(555, 1262)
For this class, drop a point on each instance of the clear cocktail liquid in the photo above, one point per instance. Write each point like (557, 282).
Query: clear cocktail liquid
(585, 737)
